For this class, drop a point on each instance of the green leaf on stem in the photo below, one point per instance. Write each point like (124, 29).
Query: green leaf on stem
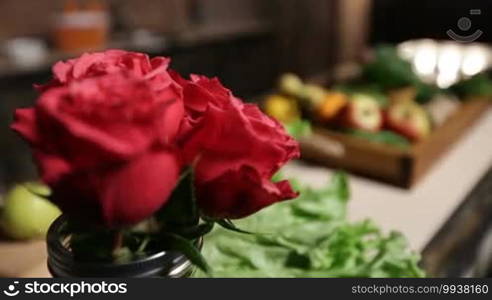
(227, 224)
(187, 248)
(122, 255)
(197, 231)
(181, 209)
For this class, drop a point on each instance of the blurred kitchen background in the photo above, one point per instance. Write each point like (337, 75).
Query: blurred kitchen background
(248, 44)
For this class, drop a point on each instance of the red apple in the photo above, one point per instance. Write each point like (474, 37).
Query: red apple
(408, 119)
(363, 113)
(27, 214)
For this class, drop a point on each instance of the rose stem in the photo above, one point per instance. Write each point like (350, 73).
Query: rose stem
(117, 240)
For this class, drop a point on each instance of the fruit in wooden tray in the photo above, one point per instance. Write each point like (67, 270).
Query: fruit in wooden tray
(26, 214)
(282, 108)
(309, 95)
(405, 94)
(408, 119)
(362, 112)
(314, 95)
(331, 105)
(441, 107)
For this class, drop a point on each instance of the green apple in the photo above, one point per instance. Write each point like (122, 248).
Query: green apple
(26, 214)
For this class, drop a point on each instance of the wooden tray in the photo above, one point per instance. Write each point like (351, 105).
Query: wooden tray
(401, 167)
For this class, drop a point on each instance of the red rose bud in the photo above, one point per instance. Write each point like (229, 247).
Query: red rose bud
(225, 136)
(238, 194)
(108, 140)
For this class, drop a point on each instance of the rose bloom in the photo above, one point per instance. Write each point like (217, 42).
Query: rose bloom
(153, 70)
(103, 145)
(109, 62)
(111, 132)
(236, 148)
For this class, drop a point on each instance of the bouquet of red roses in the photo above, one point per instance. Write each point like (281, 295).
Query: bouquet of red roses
(141, 160)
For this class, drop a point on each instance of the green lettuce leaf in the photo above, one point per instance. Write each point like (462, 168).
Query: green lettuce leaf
(309, 237)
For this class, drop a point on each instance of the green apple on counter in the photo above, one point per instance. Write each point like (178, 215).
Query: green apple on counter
(26, 214)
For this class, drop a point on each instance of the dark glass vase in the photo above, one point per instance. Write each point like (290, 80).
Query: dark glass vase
(61, 262)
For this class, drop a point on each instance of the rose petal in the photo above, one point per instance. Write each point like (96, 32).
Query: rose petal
(51, 167)
(238, 194)
(121, 195)
(139, 189)
(25, 124)
(225, 140)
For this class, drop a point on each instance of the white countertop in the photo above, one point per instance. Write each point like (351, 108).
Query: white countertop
(420, 212)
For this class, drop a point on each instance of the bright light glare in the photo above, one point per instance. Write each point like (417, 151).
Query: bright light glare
(449, 64)
(407, 50)
(449, 59)
(475, 60)
(445, 63)
(445, 80)
(425, 59)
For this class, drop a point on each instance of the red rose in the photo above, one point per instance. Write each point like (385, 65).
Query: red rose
(112, 61)
(119, 195)
(240, 193)
(104, 146)
(237, 149)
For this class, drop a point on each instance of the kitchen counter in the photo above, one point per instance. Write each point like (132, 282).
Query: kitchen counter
(420, 212)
